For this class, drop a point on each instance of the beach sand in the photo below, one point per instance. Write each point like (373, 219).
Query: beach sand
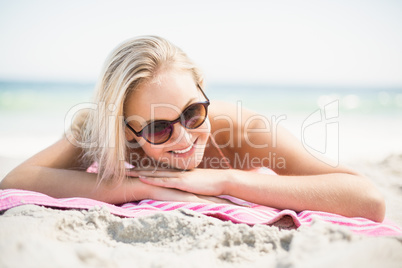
(34, 236)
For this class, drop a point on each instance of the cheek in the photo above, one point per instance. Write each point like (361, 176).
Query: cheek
(153, 151)
(203, 132)
(206, 126)
(203, 138)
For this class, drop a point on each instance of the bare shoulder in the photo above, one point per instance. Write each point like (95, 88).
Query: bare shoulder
(222, 115)
(220, 111)
(229, 122)
(219, 107)
(230, 115)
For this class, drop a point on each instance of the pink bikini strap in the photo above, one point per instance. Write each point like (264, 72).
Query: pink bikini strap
(220, 151)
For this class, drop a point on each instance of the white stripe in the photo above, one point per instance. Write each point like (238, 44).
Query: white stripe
(256, 214)
(20, 194)
(166, 207)
(69, 199)
(375, 227)
(340, 219)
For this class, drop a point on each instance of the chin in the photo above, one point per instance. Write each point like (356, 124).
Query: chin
(187, 163)
(185, 167)
(188, 160)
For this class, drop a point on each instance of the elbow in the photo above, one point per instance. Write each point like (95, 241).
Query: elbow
(375, 207)
(11, 181)
(370, 202)
(6, 183)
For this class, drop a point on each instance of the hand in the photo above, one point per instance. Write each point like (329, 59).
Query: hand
(205, 182)
(166, 194)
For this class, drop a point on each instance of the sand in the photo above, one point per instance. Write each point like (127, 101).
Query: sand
(33, 236)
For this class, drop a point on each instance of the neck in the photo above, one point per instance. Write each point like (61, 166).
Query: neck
(216, 146)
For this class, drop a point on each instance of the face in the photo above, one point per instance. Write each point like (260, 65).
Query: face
(164, 98)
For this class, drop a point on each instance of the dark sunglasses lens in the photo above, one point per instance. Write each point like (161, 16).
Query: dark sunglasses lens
(194, 115)
(157, 132)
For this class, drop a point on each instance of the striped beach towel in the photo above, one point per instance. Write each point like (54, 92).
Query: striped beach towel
(244, 212)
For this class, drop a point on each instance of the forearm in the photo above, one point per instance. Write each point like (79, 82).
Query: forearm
(339, 193)
(61, 183)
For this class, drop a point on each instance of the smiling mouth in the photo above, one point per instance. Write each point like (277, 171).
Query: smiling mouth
(184, 151)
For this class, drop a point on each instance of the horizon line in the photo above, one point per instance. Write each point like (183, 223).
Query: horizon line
(214, 83)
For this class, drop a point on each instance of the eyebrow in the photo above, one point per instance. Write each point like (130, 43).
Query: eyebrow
(185, 106)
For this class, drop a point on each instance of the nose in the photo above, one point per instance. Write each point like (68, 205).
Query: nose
(181, 135)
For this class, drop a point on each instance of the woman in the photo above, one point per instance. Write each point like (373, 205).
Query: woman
(152, 115)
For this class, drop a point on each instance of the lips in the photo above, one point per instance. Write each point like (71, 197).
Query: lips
(185, 151)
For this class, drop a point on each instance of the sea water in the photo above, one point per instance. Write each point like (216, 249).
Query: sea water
(363, 121)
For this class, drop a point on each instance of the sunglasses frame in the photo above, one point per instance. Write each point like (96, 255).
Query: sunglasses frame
(171, 123)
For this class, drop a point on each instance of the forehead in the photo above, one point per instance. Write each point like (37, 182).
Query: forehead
(164, 97)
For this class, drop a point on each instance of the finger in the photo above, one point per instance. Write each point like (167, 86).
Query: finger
(153, 173)
(175, 195)
(153, 169)
(167, 182)
(132, 173)
(168, 174)
(144, 168)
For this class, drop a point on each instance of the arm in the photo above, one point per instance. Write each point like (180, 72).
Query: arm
(306, 183)
(340, 193)
(53, 171)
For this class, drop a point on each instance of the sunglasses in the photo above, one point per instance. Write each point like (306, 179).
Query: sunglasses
(160, 131)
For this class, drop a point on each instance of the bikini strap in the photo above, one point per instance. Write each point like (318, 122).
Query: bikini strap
(220, 151)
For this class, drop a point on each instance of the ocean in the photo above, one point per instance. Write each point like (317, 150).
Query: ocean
(368, 119)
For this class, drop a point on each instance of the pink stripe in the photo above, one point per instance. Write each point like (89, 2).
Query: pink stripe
(177, 206)
(256, 214)
(198, 207)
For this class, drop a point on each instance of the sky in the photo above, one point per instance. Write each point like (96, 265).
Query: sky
(345, 42)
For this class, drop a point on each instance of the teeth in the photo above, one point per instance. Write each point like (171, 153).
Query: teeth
(183, 151)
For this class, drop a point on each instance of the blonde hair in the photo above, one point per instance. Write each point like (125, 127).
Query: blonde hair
(131, 63)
